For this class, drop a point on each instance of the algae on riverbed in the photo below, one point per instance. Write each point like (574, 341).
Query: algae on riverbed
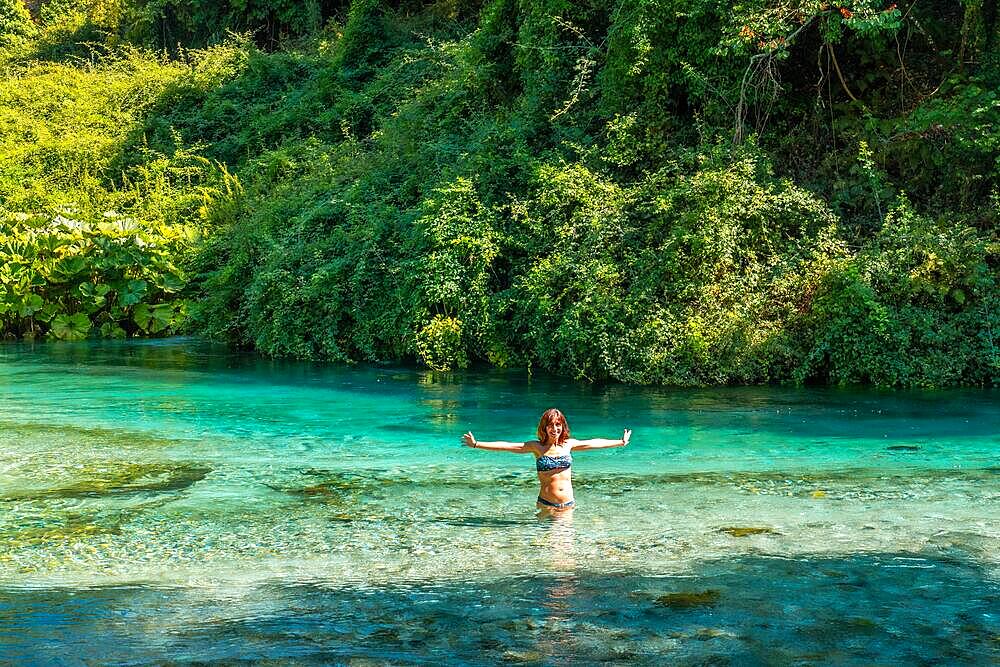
(115, 477)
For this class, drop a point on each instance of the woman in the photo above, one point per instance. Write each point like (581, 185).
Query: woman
(552, 457)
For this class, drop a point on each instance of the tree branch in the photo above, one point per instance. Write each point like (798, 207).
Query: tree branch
(754, 64)
(836, 67)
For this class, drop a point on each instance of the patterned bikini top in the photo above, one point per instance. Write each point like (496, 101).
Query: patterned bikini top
(546, 463)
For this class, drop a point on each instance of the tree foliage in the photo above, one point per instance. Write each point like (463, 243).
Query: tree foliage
(16, 26)
(650, 191)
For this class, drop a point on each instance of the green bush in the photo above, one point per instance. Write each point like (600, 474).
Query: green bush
(651, 192)
(88, 245)
(439, 344)
(915, 307)
(67, 274)
(16, 27)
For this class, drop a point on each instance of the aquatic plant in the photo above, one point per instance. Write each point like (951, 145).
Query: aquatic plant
(98, 480)
(689, 599)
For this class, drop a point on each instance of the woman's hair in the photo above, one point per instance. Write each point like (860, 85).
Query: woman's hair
(552, 415)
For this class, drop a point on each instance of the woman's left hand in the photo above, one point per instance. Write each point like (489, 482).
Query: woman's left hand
(626, 436)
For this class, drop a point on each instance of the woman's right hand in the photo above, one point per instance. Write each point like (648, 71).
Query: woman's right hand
(469, 440)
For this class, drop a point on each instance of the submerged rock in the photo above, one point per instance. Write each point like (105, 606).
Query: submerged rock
(744, 531)
(689, 599)
(522, 657)
(860, 624)
(103, 437)
(704, 634)
(122, 478)
(74, 527)
(336, 489)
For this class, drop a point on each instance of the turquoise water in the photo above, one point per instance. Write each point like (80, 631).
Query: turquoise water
(170, 501)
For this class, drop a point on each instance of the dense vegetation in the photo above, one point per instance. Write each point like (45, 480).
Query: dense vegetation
(651, 191)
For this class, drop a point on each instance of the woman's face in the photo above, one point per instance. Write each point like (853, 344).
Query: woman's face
(554, 430)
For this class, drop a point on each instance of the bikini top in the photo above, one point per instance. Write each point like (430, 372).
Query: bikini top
(546, 463)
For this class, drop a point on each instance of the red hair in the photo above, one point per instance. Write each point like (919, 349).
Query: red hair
(552, 415)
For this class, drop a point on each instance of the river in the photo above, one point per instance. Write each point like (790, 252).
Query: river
(173, 501)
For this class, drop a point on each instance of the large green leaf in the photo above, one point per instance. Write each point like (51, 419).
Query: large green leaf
(47, 312)
(132, 292)
(19, 249)
(68, 267)
(23, 277)
(50, 242)
(30, 304)
(71, 327)
(94, 295)
(169, 282)
(153, 319)
(112, 330)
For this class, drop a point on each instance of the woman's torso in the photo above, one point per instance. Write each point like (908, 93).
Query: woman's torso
(556, 484)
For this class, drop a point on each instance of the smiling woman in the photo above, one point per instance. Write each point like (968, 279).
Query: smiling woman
(553, 457)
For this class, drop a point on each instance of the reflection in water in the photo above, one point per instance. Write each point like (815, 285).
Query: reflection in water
(559, 590)
(560, 537)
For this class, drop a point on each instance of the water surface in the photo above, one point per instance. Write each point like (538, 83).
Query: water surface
(173, 501)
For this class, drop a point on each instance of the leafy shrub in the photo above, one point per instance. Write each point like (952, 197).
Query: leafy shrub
(916, 306)
(88, 249)
(65, 275)
(557, 185)
(16, 26)
(439, 344)
(201, 22)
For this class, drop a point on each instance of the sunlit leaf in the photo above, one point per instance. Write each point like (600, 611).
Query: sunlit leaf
(153, 319)
(30, 304)
(168, 282)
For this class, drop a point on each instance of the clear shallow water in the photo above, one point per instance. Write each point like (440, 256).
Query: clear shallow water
(171, 501)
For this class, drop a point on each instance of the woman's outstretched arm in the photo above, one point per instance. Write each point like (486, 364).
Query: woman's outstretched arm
(601, 443)
(469, 440)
